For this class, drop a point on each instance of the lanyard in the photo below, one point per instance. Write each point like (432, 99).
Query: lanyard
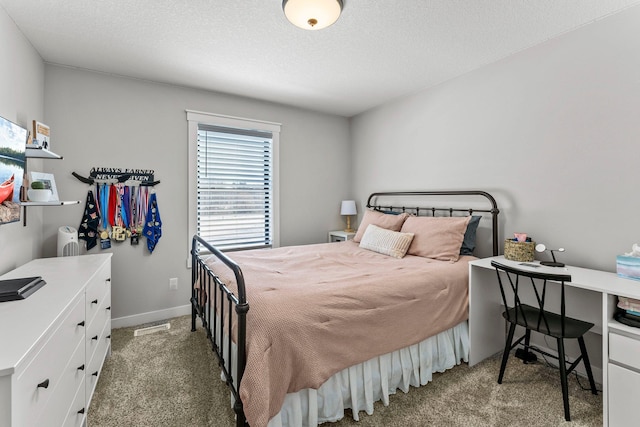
(104, 205)
(124, 206)
(113, 204)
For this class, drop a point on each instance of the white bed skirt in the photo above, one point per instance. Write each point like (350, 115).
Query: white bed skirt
(359, 386)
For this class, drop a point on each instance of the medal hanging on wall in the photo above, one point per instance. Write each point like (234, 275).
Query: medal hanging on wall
(142, 198)
(118, 230)
(105, 241)
(132, 214)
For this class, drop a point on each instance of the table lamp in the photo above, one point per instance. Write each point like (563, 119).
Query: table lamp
(348, 208)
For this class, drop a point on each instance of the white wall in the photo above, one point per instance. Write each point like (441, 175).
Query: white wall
(552, 132)
(99, 120)
(21, 101)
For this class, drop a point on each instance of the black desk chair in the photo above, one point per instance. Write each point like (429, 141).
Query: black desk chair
(536, 318)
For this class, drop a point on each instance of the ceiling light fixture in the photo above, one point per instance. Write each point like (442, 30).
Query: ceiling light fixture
(312, 14)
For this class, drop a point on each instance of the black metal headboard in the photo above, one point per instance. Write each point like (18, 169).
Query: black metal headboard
(372, 203)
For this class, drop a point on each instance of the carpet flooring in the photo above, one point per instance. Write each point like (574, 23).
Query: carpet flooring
(170, 378)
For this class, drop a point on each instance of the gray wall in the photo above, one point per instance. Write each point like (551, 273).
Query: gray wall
(99, 120)
(550, 131)
(553, 132)
(21, 101)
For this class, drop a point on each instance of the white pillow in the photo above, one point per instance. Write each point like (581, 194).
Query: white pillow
(386, 242)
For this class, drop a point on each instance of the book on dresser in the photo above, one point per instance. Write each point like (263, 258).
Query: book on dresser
(21, 288)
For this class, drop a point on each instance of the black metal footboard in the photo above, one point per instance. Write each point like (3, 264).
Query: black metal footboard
(208, 295)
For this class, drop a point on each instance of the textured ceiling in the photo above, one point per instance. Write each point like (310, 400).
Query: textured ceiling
(377, 51)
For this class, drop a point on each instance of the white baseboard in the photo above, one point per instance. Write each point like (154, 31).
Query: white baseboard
(151, 316)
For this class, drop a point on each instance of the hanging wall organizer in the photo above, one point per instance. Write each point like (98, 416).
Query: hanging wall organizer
(143, 177)
(124, 207)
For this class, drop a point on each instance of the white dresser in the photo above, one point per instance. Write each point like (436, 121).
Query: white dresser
(53, 344)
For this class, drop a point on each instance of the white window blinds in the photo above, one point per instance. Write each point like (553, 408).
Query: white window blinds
(235, 187)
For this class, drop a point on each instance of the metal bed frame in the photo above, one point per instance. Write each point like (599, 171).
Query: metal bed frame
(212, 292)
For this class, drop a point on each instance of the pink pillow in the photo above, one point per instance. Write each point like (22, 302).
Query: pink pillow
(382, 220)
(436, 237)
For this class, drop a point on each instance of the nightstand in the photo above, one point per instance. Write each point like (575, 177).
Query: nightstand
(340, 236)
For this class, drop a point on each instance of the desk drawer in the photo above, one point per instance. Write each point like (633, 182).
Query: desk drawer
(624, 350)
(623, 388)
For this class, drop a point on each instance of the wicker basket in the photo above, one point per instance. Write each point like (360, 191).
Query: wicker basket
(519, 251)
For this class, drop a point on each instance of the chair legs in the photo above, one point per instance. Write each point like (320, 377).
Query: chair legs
(563, 379)
(561, 364)
(507, 349)
(527, 340)
(587, 365)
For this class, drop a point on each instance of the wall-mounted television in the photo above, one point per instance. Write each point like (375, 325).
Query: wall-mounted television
(13, 140)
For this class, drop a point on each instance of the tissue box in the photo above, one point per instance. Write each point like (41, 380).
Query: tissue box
(628, 267)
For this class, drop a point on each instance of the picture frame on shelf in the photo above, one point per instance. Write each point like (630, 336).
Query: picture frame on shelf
(49, 181)
(40, 136)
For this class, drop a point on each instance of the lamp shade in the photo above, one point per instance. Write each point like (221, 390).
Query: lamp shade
(348, 207)
(312, 14)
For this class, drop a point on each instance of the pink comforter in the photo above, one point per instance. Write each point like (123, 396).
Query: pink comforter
(317, 309)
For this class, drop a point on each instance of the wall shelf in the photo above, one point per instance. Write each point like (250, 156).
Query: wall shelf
(52, 203)
(41, 153)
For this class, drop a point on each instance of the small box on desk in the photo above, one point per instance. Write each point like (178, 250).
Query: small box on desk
(628, 267)
(519, 251)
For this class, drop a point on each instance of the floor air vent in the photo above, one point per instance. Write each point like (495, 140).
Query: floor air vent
(152, 329)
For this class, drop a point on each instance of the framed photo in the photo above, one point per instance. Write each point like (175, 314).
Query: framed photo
(49, 182)
(41, 135)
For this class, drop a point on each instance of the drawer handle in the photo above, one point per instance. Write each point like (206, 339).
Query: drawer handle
(95, 374)
(81, 368)
(108, 280)
(109, 336)
(94, 338)
(95, 301)
(81, 411)
(81, 323)
(44, 384)
(108, 308)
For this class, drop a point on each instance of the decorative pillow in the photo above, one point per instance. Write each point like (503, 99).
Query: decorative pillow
(469, 241)
(436, 237)
(390, 222)
(385, 241)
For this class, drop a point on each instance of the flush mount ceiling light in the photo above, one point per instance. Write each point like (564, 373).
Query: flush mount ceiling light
(312, 14)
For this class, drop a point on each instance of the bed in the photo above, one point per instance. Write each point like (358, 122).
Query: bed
(301, 333)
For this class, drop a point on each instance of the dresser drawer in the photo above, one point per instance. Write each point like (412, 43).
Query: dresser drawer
(96, 362)
(37, 383)
(70, 382)
(94, 330)
(97, 289)
(624, 350)
(77, 411)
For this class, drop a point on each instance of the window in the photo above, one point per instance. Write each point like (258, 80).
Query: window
(235, 181)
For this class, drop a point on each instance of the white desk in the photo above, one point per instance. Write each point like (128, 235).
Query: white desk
(486, 327)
